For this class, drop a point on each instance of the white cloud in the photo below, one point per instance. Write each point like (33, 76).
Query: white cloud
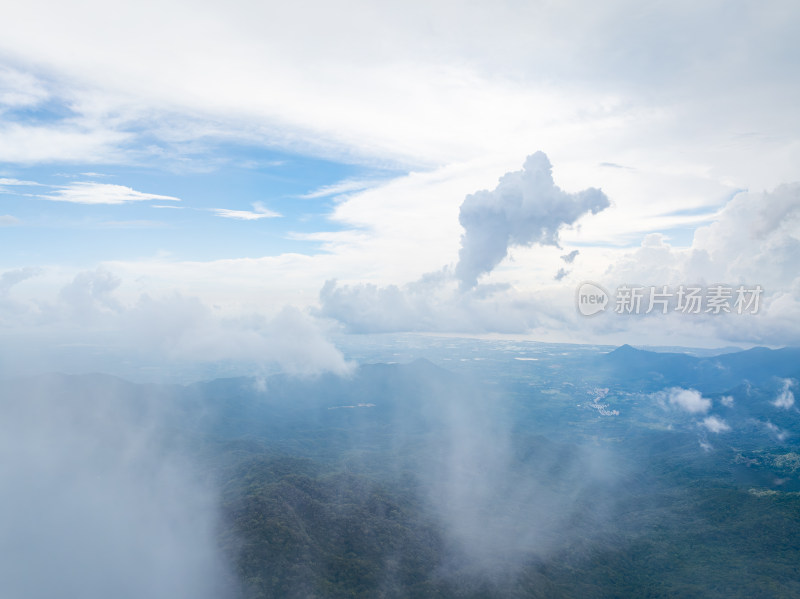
(259, 211)
(785, 399)
(432, 303)
(6, 220)
(727, 401)
(525, 208)
(10, 307)
(715, 425)
(18, 182)
(753, 240)
(688, 400)
(183, 328)
(483, 79)
(101, 193)
(19, 89)
(90, 296)
(91, 310)
(394, 233)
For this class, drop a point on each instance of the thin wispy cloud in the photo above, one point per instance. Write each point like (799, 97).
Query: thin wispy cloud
(259, 211)
(102, 193)
(18, 183)
(6, 220)
(346, 186)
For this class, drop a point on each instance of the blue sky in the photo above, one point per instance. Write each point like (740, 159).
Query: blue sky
(250, 158)
(188, 226)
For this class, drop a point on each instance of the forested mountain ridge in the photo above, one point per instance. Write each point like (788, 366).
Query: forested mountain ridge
(680, 478)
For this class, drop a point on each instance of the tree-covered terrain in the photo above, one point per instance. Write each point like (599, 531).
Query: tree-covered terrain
(622, 474)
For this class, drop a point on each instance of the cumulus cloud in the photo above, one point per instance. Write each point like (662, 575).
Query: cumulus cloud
(259, 211)
(183, 328)
(90, 312)
(688, 400)
(525, 208)
(432, 303)
(90, 294)
(88, 192)
(727, 401)
(785, 399)
(753, 240)
(715, 425)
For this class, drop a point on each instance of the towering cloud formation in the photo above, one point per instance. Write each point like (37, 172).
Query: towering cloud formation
(525, 208)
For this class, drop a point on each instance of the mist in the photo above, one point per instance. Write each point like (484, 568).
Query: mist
(100, 499)
(506, 496)
(500, 475)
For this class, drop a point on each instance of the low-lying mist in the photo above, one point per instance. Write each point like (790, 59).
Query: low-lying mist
(499, 494)
(118, 489)
(98, 500)
(505, 498)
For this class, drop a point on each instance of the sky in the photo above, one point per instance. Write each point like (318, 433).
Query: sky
(244, 181)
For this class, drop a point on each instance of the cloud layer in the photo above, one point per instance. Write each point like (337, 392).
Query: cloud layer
(89, 315)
